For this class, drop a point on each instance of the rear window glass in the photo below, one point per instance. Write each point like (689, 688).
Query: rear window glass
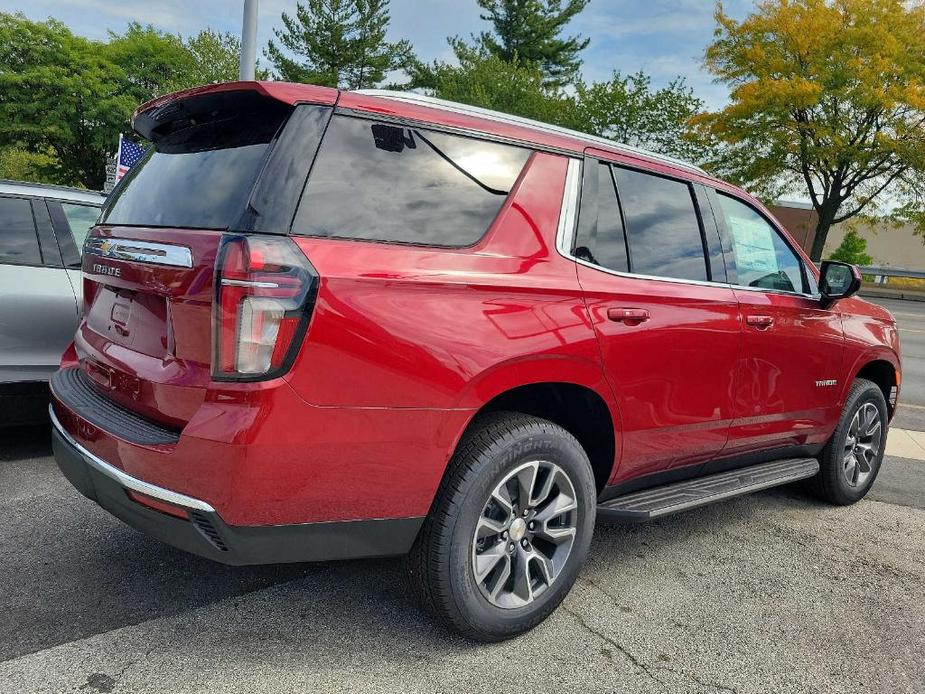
(206, 155)
(18, 243)
(384, 182)
(198, 189)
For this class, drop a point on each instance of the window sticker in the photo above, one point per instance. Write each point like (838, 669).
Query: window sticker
(754, 246)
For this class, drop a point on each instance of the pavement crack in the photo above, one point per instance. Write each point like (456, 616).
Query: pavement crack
(632, 658)
(636, 662)
(606, 593)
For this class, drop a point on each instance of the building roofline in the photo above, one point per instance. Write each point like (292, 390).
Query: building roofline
(499, 117)
(794, 204)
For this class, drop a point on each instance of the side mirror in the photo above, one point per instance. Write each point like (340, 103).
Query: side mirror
(838, 280)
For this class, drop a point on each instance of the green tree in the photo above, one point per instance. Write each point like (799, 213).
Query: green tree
(627, 109)
(337, 43)
(60, 96)
(487, 81)
(852, 249)
(215, 58)
(153, 62)
(530, 32)
(20, 165)
(827, 96)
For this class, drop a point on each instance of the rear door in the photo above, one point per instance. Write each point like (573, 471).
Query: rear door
(38, 309)
(668, 326)
(786, 384)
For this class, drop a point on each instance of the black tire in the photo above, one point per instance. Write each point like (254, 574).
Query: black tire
(440, 565)
(832, 483)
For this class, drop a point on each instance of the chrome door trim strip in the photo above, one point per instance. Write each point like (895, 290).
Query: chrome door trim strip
(125, 479)
(569, 210)
(139, 251)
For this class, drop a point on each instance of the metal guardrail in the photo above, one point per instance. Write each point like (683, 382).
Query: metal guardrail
(881, 274)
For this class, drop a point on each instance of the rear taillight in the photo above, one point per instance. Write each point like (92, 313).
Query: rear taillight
(264, 293)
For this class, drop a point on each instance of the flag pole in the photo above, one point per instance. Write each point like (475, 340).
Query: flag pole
(248, 64)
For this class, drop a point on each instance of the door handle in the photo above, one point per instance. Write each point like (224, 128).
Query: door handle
(629, 316)
(760, 322)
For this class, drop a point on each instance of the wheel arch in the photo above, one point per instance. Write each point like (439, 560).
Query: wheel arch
(884, 374)
(578, 408)
(878, 364)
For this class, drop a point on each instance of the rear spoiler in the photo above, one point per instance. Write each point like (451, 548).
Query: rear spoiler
(164, 115)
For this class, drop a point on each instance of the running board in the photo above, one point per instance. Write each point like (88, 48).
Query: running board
(682, 496)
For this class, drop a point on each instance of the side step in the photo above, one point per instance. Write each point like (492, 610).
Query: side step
(682, 496)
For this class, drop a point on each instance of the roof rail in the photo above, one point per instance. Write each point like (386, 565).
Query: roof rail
(497, 116)
(50, 190)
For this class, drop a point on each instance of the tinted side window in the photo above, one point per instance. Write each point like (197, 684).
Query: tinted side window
(384, 182)
(80, 219)
(600, 238)
(662, 227)
(18, 241)
(763, 259)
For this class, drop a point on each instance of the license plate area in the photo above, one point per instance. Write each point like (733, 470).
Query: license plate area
(131, 319)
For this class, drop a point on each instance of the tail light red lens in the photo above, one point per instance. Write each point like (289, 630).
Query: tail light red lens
(264, 293)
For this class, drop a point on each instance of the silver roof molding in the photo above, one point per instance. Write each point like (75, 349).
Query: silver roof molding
(46, 190)
(498, 117)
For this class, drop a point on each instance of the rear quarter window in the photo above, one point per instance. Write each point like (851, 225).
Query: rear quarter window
(384, 182)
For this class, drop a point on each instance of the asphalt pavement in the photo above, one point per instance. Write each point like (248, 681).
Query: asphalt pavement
(775, 592)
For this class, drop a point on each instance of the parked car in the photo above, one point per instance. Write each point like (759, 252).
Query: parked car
(42, 229)
(328, 325)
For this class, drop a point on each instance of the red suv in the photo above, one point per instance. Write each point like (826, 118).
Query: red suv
(325, 325)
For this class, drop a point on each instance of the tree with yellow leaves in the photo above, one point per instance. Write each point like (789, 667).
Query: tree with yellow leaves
(826, 97)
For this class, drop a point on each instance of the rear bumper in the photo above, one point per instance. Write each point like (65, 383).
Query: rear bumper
(206, 534)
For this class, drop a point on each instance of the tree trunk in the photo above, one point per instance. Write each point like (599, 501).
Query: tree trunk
(826, 216)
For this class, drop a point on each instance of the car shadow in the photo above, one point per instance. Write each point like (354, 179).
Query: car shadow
(79, 572)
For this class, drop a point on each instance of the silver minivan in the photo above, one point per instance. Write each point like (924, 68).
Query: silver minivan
(42, 230)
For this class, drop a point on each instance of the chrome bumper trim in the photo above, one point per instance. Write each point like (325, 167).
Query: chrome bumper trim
(127, 480)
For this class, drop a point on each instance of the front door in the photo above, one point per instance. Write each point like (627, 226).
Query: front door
(786, 383)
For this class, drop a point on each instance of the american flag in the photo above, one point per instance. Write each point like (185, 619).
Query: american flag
(129, 154)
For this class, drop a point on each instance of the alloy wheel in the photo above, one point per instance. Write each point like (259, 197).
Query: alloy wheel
(525, 534)
(862, 445)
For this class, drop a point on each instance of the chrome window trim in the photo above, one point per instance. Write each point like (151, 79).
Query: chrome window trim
(139, 251)
(568, 212)
(127, 480)
(565, 235)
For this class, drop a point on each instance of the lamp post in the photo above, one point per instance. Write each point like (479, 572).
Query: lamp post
(248, 64)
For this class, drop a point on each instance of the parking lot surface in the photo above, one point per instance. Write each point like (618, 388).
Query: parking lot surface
(775, 592)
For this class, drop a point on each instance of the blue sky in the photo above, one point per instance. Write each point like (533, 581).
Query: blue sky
(665, 38)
